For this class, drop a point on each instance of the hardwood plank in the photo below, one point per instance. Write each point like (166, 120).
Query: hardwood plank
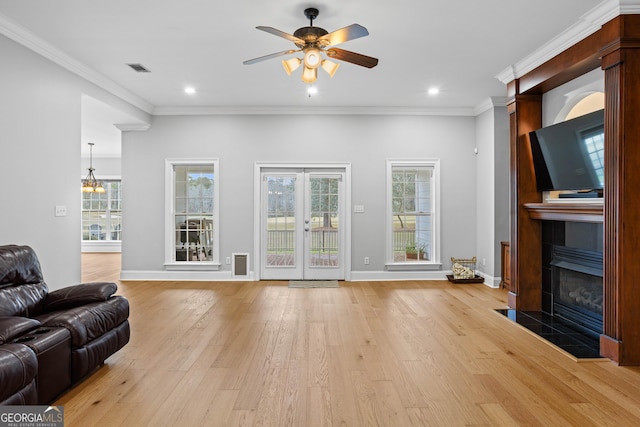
(414, 353)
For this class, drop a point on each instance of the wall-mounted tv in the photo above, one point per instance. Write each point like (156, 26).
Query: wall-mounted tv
(570, 155)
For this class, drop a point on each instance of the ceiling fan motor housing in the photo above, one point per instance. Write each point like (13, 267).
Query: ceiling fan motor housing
(310, 34)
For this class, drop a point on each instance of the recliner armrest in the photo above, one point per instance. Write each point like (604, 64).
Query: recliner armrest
(77, 295)
(14, 326)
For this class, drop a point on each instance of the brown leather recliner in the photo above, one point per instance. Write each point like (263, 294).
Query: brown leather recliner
(18, 363)
(70, 331)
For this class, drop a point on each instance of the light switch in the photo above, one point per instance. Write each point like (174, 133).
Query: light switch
(358, 209)
(61, 210)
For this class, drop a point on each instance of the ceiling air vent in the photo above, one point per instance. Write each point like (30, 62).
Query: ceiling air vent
(139, 68)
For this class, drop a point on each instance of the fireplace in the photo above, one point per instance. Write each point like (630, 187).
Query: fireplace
(572, 274)
(577, 287)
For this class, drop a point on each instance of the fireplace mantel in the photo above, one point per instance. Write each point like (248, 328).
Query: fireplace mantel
(615, 49)
(574, 212)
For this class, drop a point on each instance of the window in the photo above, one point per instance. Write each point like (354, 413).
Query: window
(594, 143)
(192, 222)
(412, 206)
(102, 213)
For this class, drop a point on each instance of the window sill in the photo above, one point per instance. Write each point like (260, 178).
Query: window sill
(192, 266)
(414, 266)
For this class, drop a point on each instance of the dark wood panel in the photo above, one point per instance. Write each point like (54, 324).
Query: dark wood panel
(627, 168)
(526, 233)
(570, 64)
(505, 265)
(612, 212)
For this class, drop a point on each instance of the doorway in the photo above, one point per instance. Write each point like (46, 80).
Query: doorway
(303, 223)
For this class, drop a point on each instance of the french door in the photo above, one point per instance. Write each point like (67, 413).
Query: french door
(302, 226)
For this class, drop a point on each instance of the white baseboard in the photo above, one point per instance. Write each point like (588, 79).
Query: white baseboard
(101, 246)
(227, 276)
(492, 282)
(357, 276)
(206, 276)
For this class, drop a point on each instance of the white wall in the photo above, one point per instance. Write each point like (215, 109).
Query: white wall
(241, 141)
(502, 180)
(492, 190)
(40, 118)
(40, 158)
(105, 167)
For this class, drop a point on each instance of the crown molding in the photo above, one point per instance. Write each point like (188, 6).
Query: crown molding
(301, 111)
(133, 127)
(29, 40)
(629, 7)
(489, 104)
(587, 24)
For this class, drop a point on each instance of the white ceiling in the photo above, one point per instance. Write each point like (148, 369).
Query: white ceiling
(459, 46)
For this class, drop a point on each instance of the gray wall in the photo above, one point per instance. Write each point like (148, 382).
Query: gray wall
(40, 158)
(241, 141)
(492, 189)
(40, 113)
(105, 167)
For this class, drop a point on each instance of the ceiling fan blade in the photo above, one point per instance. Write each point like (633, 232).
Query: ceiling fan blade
(354, 58)
(271, 56)
(276, 32)
(353, 31)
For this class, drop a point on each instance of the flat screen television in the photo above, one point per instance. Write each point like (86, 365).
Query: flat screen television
(570, 155)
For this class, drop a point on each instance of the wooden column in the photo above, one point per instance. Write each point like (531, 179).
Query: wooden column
(621, 62)
(525, 115)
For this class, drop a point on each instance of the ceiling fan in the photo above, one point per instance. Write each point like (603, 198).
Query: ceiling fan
(315, 43)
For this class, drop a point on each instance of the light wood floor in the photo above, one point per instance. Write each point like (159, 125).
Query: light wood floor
(368, 353)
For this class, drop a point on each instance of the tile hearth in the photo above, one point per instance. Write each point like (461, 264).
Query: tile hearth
(557, 332)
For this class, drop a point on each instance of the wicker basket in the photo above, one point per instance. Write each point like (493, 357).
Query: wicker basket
(464, 271)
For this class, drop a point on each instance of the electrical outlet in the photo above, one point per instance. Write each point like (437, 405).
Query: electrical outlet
(228, 260)
(484, 261)
(366, 260)
(61, 210)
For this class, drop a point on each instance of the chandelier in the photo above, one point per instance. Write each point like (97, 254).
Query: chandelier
(90, 184)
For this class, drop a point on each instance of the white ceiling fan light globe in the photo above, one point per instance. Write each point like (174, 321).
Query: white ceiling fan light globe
(309, 75)
(312, 58)
(330, 67)
(290, 65)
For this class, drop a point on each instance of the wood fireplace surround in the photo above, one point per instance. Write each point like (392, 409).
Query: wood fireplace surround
(616, 49)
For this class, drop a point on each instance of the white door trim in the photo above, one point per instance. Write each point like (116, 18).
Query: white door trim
(257, 173)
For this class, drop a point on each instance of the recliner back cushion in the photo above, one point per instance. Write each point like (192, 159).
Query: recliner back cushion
(22, 289)
(18, 265)
(23, 300)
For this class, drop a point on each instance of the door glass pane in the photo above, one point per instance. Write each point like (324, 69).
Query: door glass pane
(324, 222)
(281, 217)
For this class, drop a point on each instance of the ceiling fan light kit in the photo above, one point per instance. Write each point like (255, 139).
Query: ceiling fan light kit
(290, 65)
(314, 42)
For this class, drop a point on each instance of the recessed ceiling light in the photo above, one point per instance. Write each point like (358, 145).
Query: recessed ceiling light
(433, 91)
(190, 90)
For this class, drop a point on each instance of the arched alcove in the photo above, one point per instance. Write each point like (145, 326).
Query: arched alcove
(580, 105)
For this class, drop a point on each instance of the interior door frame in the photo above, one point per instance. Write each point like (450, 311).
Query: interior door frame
(257, 211)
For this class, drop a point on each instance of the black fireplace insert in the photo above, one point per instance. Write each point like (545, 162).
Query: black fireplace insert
(577, 287)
